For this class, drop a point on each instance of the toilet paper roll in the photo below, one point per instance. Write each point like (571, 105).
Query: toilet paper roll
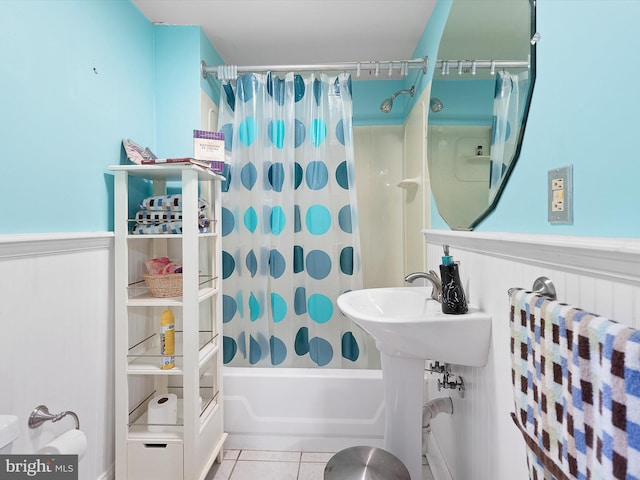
(71, 442)
(162, 411)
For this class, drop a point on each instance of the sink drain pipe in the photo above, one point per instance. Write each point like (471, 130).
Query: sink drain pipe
(430, 410)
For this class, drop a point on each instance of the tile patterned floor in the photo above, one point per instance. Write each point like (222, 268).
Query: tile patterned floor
(268, 465)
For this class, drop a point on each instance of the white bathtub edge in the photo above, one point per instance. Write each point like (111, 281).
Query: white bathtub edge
(312, 410)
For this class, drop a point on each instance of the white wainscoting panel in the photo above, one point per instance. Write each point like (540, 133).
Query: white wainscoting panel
(479, 441)
(56, 313)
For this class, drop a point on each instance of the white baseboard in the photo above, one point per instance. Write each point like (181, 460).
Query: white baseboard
(109, 474)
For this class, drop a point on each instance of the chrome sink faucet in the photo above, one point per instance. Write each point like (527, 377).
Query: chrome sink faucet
(436, 291)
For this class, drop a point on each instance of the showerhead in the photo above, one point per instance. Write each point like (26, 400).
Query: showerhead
(387, 104)
(436, 105)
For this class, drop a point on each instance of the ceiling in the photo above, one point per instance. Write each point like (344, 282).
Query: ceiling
(287, 32)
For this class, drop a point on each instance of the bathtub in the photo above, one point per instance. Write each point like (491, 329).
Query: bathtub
(313, 410)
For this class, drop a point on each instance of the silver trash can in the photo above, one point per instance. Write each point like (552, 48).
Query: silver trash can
(365, 463)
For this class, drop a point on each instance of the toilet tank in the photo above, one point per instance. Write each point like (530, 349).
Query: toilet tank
(9, 431)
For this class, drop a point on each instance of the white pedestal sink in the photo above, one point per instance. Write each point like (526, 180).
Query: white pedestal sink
(409, 328)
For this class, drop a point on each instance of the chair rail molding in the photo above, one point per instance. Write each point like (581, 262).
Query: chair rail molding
(30, 245)
(608, 258)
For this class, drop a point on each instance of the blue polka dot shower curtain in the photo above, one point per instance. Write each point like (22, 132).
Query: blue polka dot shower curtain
(508, 108)
(289, 223)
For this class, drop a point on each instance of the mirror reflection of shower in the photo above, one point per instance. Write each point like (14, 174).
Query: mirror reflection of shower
(436, 105)
(387, 104)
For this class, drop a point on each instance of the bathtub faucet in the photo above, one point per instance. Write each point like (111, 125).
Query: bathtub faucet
(436, 291)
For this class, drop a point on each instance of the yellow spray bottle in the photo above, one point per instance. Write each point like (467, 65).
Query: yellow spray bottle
(167, 340)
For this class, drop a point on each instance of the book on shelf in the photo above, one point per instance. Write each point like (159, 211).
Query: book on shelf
(193, 161)
(209, 146)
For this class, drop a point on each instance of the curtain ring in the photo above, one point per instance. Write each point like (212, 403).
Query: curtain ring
(459, 67)
(493, 67)
(473, 67)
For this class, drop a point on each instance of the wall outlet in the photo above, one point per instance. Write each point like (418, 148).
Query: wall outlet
(557, 184)
(560, 199)
(557, 202)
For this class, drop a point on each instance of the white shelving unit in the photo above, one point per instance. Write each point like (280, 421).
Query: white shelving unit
(185, 450)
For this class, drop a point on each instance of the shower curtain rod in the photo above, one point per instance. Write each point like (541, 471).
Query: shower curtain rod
(230, 72)
(466, 66)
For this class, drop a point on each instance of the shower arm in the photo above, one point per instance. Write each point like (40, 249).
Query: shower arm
(411, 91)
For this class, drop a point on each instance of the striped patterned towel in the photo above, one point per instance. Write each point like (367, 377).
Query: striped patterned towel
(161, 216)
(168, 227)
(158, 216)
(157, 228)
(169, 203)
(576, 379)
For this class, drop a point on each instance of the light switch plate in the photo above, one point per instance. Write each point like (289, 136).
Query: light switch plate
(560, 198)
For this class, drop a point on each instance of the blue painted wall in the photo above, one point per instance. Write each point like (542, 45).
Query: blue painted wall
(79, 77)
(211, 57)
(177, 66)
(466, 102)
(75, 78)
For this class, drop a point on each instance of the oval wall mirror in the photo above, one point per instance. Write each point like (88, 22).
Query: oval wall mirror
(480, 97)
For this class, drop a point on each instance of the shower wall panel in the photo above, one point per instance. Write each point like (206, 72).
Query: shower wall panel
(459, 162)
(416, 188)
(378, 159)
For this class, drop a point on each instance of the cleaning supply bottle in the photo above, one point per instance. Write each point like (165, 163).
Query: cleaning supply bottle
(453, 299)
(167, 340)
